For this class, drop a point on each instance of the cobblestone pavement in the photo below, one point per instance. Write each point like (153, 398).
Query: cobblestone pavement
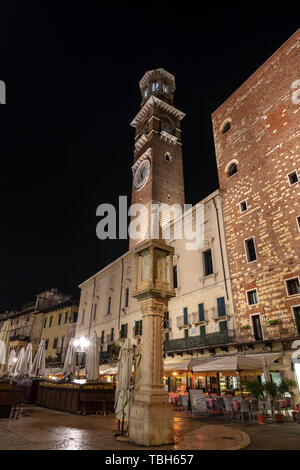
(44, 429)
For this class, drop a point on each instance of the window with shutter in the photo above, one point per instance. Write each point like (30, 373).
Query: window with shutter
(223, 326)
(185, 316)
(201, 312)
(202, 330)
(221, 307)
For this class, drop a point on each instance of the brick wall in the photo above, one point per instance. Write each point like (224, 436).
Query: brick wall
(264, 141)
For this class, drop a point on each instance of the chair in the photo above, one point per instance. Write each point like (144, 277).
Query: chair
(254, 408)
(228, 408)
(244, 409)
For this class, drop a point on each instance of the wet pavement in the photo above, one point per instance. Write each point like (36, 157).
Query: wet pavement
(43, 429)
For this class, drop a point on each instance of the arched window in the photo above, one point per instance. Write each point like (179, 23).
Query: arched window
(232, 169)
(226, 127)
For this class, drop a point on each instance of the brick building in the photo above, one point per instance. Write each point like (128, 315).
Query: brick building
(257, 142)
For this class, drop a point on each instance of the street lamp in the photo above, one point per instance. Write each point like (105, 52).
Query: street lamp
(81, 344)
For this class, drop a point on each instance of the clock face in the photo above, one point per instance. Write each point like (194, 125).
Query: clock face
(141, 174)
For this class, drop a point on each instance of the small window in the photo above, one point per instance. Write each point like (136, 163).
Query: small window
(50, 322)
(293, 286)
(45, 322)
(186, 333)
(127, 297)
(155, 86)
(202, 330)
(232, 170)
(75, 316)
(166, 320)
(46, 344)
(243, 206)
(55, 343)
(185, 316)
(250, 250)
(293, 177)
(165, 88)
(95, 312)
(66, 317)
(59, 319)
(256, 325)
(102, 336)
(223, 326)
(168, 157)
(145, 92)
(252, 297)
(226, 127)
(175, 283)
(124, 329)
(221, 307)
(201, 312)
(208, 264)
(138, 328)
(108, 305)
(112, 334)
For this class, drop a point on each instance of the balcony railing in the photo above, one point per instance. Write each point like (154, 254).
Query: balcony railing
(279, 331)
(196, 317)
(194, 342)
(219, 314)
(181, 323)
(105, 355)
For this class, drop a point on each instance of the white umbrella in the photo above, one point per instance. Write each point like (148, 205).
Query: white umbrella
(16, 371)
(11, 361)
(70, 361)
(4, 348)
(26, 364)
(107, 369)
(92, 360)
(39, 362)
(228, 363)
(122, 396)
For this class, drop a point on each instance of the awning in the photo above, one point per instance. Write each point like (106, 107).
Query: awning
(228, 363)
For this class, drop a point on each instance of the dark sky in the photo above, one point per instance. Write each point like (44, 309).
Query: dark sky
(72, 78)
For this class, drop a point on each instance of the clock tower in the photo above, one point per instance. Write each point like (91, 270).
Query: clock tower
(157, 169)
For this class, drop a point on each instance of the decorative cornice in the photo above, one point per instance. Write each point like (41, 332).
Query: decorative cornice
(166, 136)
(142, 140)
(153, 100)
(157, 74)
(144, 156)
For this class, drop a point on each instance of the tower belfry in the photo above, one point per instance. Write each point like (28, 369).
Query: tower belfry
(157, 169)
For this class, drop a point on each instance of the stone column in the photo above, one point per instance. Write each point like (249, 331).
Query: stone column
(151, 416)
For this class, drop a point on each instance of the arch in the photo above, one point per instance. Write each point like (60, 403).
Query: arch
(226, 126)
(231, 168)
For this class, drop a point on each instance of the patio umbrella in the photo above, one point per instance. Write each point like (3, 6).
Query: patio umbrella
(70, 361)
(122, 396)
(16, 370)
(137, 367)
(26, 363)
(39, 362)
(226, 363)
(4, 348)
(92, 359)
(11, 361)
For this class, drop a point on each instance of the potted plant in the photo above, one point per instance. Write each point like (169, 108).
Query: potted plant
(273, 322)
(256, 389)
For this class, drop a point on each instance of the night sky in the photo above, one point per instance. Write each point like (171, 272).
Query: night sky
(72, 78)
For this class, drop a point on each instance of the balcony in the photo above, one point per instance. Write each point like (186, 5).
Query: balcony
(220, 315)
(181, 323)
(196, 317)
(279, 331)
(193, 342)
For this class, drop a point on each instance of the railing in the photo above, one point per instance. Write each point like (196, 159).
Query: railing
(196, 317)
(193, 342)
(279, 330)
(180, 321)
(216, 314)
(20, 338)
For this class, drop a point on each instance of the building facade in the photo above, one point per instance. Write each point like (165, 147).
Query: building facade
(257, 142)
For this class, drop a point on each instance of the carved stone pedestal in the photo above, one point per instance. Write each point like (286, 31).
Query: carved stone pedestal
(151, 420)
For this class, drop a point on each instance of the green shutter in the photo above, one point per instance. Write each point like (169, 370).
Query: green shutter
(221, 307)
(202, 330)
(223, 326)
(201, 312)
